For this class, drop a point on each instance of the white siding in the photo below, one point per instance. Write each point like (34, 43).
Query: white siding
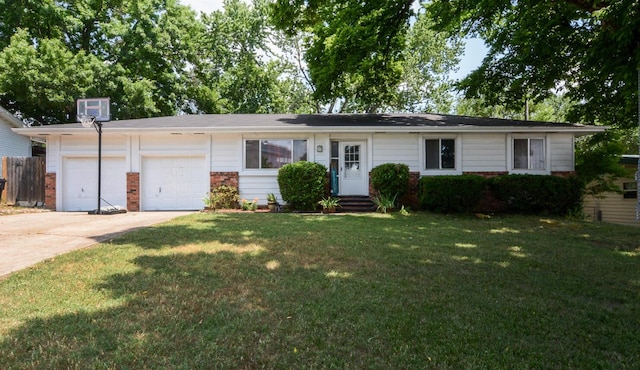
(11, 144)
(613, 207)
(484, 152)
(89, 144)
(562, 153)
(226, 153)
(258, 186)
(174, 143)
(53, 154)
(396, 148)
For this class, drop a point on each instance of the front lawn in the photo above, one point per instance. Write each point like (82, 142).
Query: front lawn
(248, 290)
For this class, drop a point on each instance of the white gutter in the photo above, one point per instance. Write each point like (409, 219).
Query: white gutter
(43, 131)
(10, 118)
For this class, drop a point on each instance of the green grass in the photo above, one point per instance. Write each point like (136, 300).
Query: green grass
(247, 290)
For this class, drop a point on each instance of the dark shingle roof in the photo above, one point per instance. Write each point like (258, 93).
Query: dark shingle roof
(323, 122)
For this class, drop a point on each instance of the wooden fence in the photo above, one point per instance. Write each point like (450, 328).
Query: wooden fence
(25, 180)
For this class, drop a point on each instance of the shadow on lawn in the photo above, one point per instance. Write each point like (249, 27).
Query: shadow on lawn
(289, 294)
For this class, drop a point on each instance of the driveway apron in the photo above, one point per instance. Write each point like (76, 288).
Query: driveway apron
(26, 239)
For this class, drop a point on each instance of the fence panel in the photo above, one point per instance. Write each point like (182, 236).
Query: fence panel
(25, 180)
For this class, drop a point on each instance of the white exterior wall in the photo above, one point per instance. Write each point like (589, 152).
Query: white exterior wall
(396, 148)
(562, 152)
(484, 152)
(226, 153)
(11, 144)
(613, 208)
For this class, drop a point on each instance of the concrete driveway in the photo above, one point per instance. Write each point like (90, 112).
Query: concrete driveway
(26, 239)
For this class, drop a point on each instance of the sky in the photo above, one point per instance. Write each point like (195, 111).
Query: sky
(474, 52)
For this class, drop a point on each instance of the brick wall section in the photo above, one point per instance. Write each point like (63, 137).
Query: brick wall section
(488, 174)
(411, 198)
(563, 173)
(50, 191)
(224, 178)
(133, 191)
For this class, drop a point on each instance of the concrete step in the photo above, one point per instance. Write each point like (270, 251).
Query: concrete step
(356, 204)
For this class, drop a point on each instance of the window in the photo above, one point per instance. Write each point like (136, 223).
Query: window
(528, 154)
(260, 154)
(630, 190)
(440, 154)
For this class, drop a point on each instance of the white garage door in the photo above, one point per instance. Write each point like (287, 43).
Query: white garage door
(173, 183)
(80, 183)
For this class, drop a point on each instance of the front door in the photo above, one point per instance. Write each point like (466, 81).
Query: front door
(354, 176)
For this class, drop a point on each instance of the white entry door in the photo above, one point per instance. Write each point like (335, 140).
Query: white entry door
(80, 183)
(173, 183)
(354, 176)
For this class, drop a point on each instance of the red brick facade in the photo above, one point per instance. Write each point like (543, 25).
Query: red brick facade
(563, 173)
(133, 191)
(50, 191)
(224, 178)
(411, 198)
(488, 174)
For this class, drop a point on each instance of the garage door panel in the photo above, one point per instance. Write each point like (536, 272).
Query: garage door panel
(80, 183)
(174, 183)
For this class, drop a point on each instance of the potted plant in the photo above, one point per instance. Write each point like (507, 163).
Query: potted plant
(272, 202)
(329, 204)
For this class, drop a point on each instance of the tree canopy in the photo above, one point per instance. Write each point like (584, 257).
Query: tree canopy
(588, 49)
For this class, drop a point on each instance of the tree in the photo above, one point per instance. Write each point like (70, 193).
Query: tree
(591, 49)
(355, 48)
(235, 50)
(369, 56)
(136, 52)
(41, 81)
(554, 108)
(428, 59)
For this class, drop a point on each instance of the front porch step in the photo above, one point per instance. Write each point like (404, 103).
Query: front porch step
(354, 203)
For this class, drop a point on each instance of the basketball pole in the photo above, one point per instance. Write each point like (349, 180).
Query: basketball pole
(98, 126)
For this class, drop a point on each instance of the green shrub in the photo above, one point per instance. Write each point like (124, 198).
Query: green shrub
(302, 184)
(390, 179)
(451, 194)
(222, 197)
(537, 194)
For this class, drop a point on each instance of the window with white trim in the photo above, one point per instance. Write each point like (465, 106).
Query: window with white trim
(528, 154)
(440, 154)
(264, 154)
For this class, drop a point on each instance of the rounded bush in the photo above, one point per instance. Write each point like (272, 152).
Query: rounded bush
(302, 184)
(390, 179)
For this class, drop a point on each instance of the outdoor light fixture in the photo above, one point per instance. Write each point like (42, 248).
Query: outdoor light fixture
(319, 148)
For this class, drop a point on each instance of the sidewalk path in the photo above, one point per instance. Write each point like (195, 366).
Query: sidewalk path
(26, 239)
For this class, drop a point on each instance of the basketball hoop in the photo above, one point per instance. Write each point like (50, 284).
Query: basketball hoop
(86, 120)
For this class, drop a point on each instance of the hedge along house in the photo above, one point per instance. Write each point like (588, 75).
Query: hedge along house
(170, 163)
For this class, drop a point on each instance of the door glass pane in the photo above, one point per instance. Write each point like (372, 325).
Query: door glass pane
(433, 154)
(520, 153)
(352, 162)
(448, 153)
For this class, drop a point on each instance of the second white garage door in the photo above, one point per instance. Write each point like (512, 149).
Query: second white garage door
(173, 183)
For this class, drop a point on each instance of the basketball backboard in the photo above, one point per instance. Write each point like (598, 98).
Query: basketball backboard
(94, 107)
